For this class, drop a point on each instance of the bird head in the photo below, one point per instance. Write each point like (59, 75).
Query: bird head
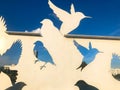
(46, 22)
(81, 83)
(38, 43)
(96, 51)
(81, 15)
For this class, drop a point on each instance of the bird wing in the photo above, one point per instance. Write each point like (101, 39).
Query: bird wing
(90, 46)
(61, 14)
(82, 49)
(72, 10)
(48, 56)
(115, 62)
(12, 55)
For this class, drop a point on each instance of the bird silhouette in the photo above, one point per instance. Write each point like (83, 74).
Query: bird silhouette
(70, 21)
(42, 54)
(88, 54)
(12, 55)
(17, 86)
(115, 62)
(82, 85)
(115, 65)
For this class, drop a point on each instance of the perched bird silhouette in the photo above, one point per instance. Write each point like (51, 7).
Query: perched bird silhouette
(12, 55)
(17, 86)
(82, 85)
(88, 54)
(42, 54)
(70, 21)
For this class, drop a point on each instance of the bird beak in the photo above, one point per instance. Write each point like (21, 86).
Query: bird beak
(100, 52)
(88, 17)
(41, 22)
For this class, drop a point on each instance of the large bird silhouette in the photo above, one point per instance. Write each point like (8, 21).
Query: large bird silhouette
(70, 21)
(42, 54)
(82, 85)
(88, 54)
(11, 57)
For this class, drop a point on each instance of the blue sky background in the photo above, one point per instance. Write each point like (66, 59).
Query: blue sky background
(21, 15)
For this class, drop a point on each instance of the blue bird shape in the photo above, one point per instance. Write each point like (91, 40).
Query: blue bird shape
(115, 61)
(42, 54)
(12, 55)
(88, 54)
(115, 65)
(82, 85)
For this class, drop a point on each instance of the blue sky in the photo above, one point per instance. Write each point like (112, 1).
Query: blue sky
(21, 15)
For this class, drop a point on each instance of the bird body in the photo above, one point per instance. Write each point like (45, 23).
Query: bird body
(88, 54)
(42, 53)
(70, 21)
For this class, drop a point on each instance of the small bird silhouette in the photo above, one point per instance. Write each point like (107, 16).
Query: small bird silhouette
(88, 54)
(115, 65)
(70, 21)
(115, 62)
(82, 85)
(17, 86)
(12, 55)
(42, 54)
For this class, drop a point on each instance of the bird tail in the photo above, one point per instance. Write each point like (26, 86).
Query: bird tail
(11, 73)
(82, 66)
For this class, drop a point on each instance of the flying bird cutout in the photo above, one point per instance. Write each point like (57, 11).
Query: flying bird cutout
(12, 55)
(70, 21)
(115, 66)
(88, 54)
(42, 54)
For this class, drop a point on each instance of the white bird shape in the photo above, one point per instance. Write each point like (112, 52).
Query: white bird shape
(70, 21)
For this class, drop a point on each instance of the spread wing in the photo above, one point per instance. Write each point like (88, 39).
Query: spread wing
(12, 55)
(82, 49)
(90, 46)
(72, 10)
(61, 14)
(115, 61)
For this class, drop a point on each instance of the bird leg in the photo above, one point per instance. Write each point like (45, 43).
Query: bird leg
(41, 67)
(36, 61)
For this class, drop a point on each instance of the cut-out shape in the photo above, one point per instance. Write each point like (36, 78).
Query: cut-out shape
(17, 86)
(12, 55)
(42, 54)
(82, 85)
(11, 73)
(115, 66)
(88, 54)
(70, 20)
